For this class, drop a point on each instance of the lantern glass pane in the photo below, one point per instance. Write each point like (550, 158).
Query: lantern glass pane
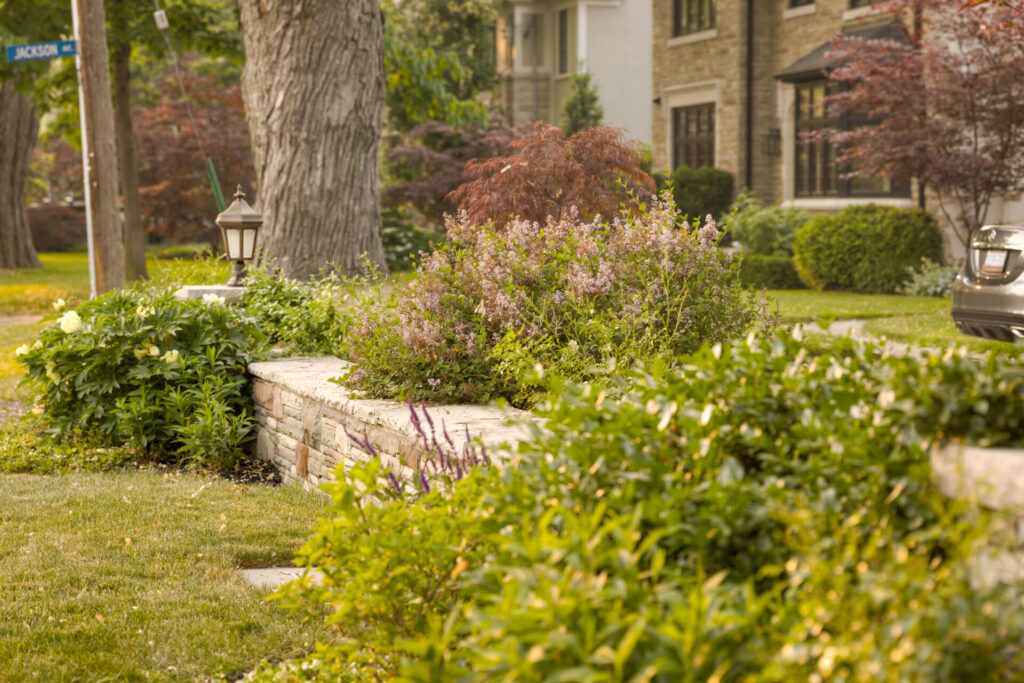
(248, 243)
(234, 241)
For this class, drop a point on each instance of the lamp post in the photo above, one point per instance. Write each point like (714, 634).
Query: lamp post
(239, 224)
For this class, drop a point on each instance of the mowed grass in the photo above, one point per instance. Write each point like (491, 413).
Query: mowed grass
(66, 276)
(133, 575)
(916, 320)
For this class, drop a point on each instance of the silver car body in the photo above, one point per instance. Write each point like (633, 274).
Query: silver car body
(988, 295)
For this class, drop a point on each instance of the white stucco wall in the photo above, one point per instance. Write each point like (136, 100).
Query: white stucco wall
(614, 45)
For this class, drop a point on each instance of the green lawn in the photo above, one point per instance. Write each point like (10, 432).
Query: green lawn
(133, 575)
(921, 321)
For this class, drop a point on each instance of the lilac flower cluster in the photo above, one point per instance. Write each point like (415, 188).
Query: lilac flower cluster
(437, 460)
(570, 295)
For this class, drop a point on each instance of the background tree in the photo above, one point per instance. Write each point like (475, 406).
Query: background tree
(595, 170)
(582, 109)
(313, 86)
(438, 56)
(430, 168)
(19, 127)
(947, 109)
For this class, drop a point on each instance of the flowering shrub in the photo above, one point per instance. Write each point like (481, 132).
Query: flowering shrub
(574, 297)
(164, 375)
(762, 514)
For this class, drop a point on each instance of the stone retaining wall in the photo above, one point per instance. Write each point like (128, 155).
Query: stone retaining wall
(302, 420)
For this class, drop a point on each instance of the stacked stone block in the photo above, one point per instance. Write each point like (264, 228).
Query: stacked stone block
(304, 420)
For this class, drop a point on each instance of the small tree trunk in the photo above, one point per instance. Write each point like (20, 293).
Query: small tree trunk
(18, 130)
(314, 90)
(98, 136)
(134, 241)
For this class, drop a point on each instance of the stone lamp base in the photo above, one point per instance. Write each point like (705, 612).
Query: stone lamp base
(231, 295)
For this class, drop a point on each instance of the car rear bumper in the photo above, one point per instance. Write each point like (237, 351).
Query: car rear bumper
(992, 312)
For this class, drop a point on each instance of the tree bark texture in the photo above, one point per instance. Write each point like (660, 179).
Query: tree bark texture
(313, 86)
(19, 128)
(98, 136)
(134, 240)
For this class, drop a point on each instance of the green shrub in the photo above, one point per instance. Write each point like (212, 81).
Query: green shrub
(303, 317)
(487, 308)
(403, 241)
(166, 376)
(865, 248)
(761, 514)
(582, 108)
(701, 191)
(770, 272)
(931, 279)
(765, 230)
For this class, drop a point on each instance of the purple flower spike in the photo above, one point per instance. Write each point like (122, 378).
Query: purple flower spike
(424, 483)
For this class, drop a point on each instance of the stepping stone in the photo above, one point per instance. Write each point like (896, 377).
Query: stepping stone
(275, 577)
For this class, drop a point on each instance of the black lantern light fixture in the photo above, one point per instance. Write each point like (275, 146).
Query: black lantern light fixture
(239, 224)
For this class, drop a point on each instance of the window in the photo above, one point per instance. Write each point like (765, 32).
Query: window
(533, 40)
(817, 174)
(563, 41)
(800, 3)
(693, 136)
(854, 4)
(690, 16)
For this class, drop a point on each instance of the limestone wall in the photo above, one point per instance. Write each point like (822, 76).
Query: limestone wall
(302, 420)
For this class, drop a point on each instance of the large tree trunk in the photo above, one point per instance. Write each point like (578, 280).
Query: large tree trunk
(18, 130)
(314, 90)
(98, 139)
(134, 242)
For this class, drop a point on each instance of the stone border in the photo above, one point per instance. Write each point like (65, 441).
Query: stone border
(302, 419)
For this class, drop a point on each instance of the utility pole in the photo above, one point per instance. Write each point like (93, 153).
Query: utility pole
(99, 153)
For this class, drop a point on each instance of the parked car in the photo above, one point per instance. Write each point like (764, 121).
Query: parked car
(988, 295)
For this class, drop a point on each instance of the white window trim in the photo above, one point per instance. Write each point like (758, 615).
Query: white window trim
(702, 92)
(837, 203)
(689, 38)
(851, 14)
(801, 11)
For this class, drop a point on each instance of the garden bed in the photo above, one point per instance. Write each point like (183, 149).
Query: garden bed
(304, 421)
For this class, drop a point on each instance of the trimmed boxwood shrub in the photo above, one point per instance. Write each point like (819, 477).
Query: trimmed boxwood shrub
(701, 191)
(771, 272)
(866, 248)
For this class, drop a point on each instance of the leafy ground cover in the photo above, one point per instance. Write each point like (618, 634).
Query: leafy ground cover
(132, 575)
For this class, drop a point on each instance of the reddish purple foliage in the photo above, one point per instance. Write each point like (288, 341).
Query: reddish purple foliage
(946, 107)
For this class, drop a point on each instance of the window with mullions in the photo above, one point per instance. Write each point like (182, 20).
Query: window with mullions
(817, 174)
(563, 41)
(690, 16)
(693, 136)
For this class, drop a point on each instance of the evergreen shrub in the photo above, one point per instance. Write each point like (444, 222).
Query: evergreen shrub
(576, 298)
(865, 248)
(769, 272)
(931, 279)
(703, 191)
(765, 230)
(760, 513)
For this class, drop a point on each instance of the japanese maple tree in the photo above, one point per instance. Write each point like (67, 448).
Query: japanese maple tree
(946, 106)
(595, 170)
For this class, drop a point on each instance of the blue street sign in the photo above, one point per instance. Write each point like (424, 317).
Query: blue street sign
(47, 50)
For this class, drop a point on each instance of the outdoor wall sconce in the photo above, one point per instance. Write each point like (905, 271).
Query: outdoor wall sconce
(239, 224)
(773, 142)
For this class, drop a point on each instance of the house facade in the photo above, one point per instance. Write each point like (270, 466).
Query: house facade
(541, 43)
(735, 83)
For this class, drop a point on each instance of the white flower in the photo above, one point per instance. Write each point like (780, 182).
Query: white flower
(213, 299)
(170, 357)
(21, 350)
(154, 350)
(37, 345)
(38, 409)
(70, 322)
(144, 311)
(59, 305)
